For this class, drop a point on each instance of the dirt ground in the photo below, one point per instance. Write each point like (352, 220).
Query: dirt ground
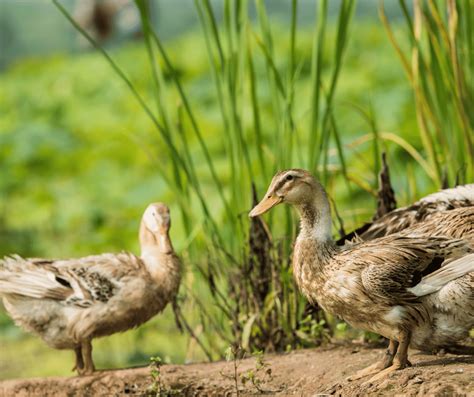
(315, 372)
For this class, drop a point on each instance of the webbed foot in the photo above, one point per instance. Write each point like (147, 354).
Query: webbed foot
(386, 362)
(387, 371)
(370, 370)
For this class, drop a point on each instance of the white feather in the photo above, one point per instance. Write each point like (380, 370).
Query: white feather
(27, 283)
(438, 279)
(462, 192)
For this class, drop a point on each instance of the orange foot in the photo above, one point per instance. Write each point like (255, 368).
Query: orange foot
(370, 370)
(387, 371)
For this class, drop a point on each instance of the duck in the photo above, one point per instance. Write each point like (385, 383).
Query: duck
(69, 302)
(413, 288)
(421, 211)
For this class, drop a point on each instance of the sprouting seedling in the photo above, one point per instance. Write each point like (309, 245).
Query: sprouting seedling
(234, 354)
(259, 375)
(157, 387)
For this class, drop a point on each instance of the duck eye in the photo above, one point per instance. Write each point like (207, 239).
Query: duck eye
(289, 177)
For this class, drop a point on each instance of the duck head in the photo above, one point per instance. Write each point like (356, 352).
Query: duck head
(299, 188)
(294, 186)
(157, 218)
(154, 229)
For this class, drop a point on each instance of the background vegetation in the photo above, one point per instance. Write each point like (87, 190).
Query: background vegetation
(239, 96)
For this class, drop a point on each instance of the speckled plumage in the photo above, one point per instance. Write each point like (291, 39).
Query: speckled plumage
(371, 284)
(456, 223)
(363, 283)
(460, 197)
(69, 302)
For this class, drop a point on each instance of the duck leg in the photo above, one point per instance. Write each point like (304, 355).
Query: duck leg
(89, 367)
(79, 366)
(400, 361)
(386, 362)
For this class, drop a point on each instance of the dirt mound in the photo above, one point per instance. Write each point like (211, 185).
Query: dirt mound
(304, 373)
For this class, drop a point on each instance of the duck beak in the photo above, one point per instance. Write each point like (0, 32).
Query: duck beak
(265, 205)
(165, 222)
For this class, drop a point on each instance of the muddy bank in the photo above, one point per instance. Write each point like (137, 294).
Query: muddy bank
(301, 373)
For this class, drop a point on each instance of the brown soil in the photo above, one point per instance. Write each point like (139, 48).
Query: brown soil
(315, 372)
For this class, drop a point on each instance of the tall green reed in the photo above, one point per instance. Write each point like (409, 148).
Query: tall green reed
(263, 130)
(270, 139)
(438, 62)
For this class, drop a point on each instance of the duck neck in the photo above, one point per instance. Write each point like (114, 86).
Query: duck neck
(158, 241)
(315, 220)
(314, 246)
(155, 248)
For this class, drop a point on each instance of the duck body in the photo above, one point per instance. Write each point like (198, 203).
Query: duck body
(415, 287)
(116, 293)
(343, 283)
(70, 302)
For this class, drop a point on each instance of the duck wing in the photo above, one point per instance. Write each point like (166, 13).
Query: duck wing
(421, 211)
(80, 282)
(19, 276)
(457, 223)
(435, 281)
(393, 265)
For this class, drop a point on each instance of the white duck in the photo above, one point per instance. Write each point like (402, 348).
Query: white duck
(69, 302)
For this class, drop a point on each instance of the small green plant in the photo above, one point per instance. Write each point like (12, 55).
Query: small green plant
(260, 375)
(234, 354)
(157, 387)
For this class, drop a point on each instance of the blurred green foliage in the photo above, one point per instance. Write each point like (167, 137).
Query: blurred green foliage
(79, 163)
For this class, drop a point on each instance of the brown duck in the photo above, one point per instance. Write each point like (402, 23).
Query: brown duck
(69, 302)
(415, 289)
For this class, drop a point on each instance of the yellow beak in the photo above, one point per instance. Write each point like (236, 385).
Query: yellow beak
(266, 204)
